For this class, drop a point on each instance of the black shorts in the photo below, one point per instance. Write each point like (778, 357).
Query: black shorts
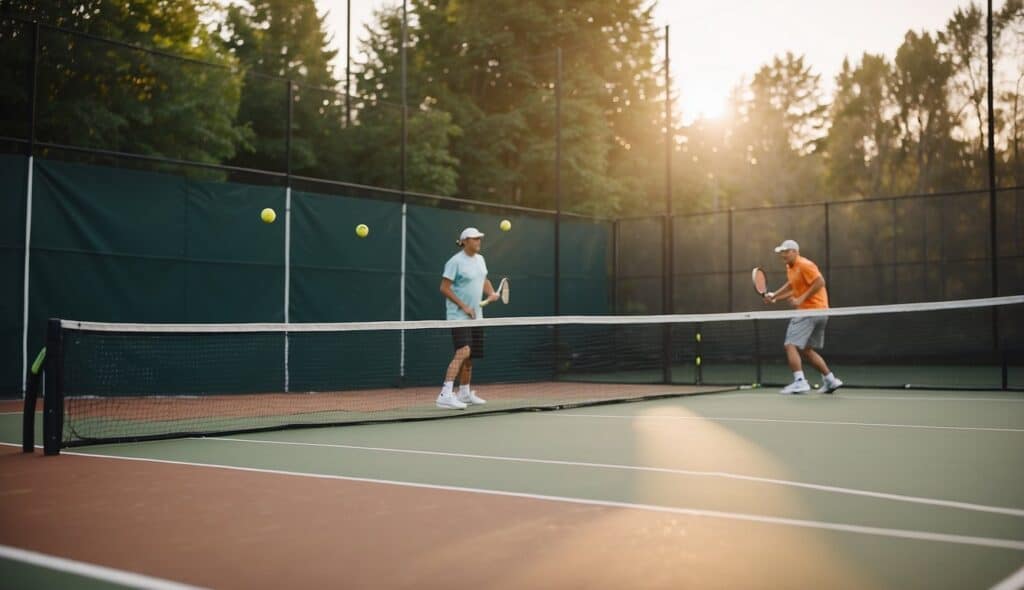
(471, 337)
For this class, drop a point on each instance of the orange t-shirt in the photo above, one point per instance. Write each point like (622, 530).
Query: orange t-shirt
(801, 275)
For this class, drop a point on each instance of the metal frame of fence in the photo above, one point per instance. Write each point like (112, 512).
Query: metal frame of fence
(32, 147)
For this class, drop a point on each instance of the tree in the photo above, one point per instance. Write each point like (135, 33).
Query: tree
(780, 123)
(861, 138)
(1009, 21)
(492, 67)
(964, 40)
(373, 149)
(99, 95)
(928, 153)
(279, 42)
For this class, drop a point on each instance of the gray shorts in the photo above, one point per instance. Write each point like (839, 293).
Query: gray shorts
(807, 332)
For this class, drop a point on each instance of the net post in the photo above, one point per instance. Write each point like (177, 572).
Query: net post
(1005, 371)
(615, 267)
(1002, 354)
(828, 251)
(699, 359)
(666, 360)
(53, 398)
(757, 351)
(729, 252)
(28, 425)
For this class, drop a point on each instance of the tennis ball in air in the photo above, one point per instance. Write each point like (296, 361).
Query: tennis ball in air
(362, 230)
(268, 215)
(505, 225)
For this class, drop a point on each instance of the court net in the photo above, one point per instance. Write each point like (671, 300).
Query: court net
(124, 382)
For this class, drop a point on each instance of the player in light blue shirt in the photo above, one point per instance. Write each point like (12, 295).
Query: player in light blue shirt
(463, 283)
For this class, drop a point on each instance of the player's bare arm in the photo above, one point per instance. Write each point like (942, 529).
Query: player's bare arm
(446, 290)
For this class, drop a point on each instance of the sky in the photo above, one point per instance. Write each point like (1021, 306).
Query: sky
(714, 45)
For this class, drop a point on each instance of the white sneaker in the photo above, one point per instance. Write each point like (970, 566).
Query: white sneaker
(796, 387)
(831, 386)
(471, 399)
(448, 401)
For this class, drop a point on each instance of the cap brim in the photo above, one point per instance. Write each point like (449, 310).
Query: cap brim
(779, 249)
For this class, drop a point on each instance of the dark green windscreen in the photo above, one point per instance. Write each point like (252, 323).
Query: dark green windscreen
(125, 245)
(120, 245)
(337, 276)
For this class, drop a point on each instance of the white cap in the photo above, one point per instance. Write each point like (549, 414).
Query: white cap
(470, 232)
(787, 245)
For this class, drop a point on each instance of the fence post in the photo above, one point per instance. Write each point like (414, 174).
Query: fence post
(667, 237)
(828, 249)
(729, 254)
(558, 178)
(33, 83)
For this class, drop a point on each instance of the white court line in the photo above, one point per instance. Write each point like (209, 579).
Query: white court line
(1014, 582)
(780, 420)
(698, 473)
(770, 394)
(866, 530)
(11, 413)
(89, 570)
(1016, 545)
(935, 399)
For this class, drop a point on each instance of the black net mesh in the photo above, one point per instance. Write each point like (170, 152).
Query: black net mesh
(127, 382)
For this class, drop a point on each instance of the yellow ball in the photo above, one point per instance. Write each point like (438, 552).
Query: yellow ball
(362, 230)
(268, 215)
(505, 225)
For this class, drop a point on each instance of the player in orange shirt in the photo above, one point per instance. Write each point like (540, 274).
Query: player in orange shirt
(805, 288)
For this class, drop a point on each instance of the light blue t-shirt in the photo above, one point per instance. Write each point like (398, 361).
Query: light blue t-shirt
(467, 274)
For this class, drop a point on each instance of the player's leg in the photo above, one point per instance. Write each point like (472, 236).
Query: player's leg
(815, 360)
(466, 393)
(817, 341)
(466, 372)
(457, 365)
(793, 358)
(797, 333)
(461, 343)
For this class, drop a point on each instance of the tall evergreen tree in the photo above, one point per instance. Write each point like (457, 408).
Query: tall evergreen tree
(929, 155)
(277, 41)
(372, 150)
(861, 138)
(492, 67)
(780, 125)
(95, 94)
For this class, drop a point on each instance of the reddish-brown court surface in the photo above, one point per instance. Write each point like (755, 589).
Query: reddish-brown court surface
(227, 528)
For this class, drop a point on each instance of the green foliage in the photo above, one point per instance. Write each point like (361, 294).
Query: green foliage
(276, 41)
(493, 67)
(779, 127)
(481, 101)
(97, 94)
(862, 139)
(928, 154)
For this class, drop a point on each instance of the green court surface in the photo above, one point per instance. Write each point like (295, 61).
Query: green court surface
(900, 488)
(18, 575)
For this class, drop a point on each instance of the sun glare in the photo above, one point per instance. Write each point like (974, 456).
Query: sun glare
(702, 104)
